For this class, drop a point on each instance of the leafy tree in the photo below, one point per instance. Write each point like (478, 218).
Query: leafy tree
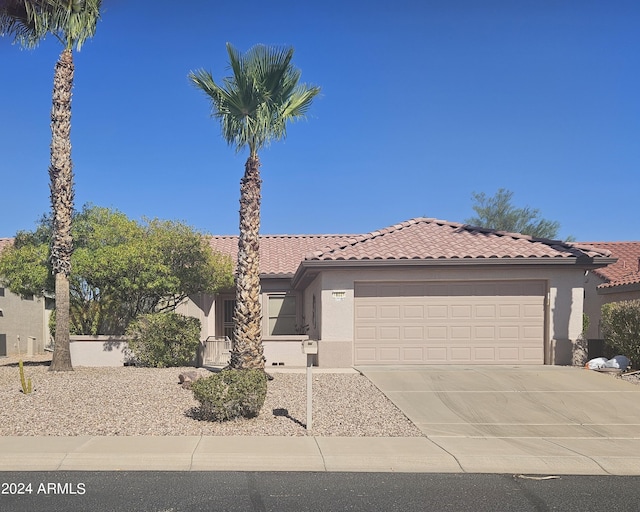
(497, 212)
(71, 22)
(121, 268)
(253, 107)
(24, 266)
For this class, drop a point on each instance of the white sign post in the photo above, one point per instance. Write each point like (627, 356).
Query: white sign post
(309, 347)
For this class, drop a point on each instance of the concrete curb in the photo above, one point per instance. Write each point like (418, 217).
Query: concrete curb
(590, 456)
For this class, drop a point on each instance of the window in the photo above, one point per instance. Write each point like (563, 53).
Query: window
(1, 292)
(282, 315)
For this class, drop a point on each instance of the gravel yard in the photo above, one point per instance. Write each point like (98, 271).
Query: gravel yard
(128, 401)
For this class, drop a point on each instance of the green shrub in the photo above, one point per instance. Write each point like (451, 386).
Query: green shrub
(164, 339)
(586, 321)
(621, 328)
(231, 394)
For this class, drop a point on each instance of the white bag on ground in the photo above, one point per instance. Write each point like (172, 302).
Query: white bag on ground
(598, 362)
(621, 362)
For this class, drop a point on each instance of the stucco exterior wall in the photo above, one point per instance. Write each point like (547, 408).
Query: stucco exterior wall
(312, 308)
(99, 350)
(201, 306)
(592, 304)
(24, 323)
(564, 309)
(334, 308)
(566, 304)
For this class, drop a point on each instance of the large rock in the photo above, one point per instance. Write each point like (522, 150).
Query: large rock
(186, 379)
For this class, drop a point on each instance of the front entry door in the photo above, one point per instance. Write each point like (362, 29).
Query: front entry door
(228, 305)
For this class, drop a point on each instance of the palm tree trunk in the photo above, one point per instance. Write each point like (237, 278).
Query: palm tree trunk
(247, 349)
(61, 186)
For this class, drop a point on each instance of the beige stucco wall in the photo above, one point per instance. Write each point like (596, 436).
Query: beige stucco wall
(334, 292)
(25, 323)
(565, 303)
(286, 352)
(592, 304)
(98, 350)
(201, 306)
(313, 320)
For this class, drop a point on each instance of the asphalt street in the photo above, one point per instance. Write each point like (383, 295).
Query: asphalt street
(304, 491)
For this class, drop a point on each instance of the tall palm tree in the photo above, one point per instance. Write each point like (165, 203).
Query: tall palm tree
(72, 22)
(253, 107)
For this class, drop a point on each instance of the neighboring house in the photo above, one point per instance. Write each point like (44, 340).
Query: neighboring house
(424, 291)
(24, 322)
(616, 282)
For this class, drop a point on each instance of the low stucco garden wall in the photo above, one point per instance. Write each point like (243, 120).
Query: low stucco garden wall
(113, 351)
(98, 350)
(284, 352)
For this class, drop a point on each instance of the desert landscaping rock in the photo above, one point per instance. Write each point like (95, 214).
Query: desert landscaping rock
(187, 378)
(130, 401)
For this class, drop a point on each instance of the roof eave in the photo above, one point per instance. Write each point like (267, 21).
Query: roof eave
(274, 275)
(307, 266)
(618, 288)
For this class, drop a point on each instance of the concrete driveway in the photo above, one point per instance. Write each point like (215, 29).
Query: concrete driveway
(540, 419)
(512, 402)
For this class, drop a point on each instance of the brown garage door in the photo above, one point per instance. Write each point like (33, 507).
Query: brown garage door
(472, 322)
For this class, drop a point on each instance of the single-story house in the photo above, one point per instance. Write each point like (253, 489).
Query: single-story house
(613, 283)
(24, 322)
(424, 291)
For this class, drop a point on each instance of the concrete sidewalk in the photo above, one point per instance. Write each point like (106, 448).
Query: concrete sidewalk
(548, 456)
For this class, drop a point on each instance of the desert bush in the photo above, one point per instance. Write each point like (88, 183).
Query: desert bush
(586, 321)
(621, 328)
(231, 394)
(164, 339)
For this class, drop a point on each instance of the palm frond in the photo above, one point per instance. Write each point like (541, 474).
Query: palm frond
(15, 21)
(70, 21)
(263, 94)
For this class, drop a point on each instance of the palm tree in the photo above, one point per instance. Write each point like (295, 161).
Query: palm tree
(72, 22)
(253, 107)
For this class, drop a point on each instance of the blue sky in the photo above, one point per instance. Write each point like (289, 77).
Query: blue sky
(422, 104)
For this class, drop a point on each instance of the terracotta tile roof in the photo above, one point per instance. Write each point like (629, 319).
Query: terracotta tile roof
(424, 239)
(420, 238)
(279, 254)
(626, 270)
